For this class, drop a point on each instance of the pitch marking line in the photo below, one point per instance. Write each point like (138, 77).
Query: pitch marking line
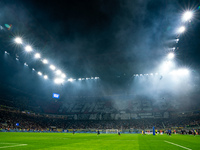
(9, 143)
(178, 145)
(12, 145)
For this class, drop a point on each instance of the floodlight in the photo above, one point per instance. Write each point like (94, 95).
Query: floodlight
(177, 40)
(87, 78)
(45, 61)
(25, 64)
(170, 56)
(70, 80)
(58, 72)
(52, 67)
(18, 40)
(45, 77)
(96, 78)
(187, 16)
(37, 55)
(28, 48)
(58, 80)
(140, 74)
(79, 79)
(33, 69)
(151, 74)
(83, 78)
(181, 29)
(63, 75)
(39, 73)
(180, 72)
(17, 59)
(6, 53)
(183, 71)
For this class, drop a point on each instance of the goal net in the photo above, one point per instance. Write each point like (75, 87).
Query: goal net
(111, 131)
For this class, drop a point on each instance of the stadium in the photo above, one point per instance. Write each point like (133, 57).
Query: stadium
(99, 74)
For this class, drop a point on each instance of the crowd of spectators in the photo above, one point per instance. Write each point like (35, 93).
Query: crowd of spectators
(14, 119)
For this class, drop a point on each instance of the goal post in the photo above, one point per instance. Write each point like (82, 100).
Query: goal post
(111, 131)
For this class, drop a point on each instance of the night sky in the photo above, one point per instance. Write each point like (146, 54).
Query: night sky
(110, 39)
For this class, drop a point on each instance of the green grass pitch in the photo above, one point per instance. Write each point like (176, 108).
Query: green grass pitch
(68, 141)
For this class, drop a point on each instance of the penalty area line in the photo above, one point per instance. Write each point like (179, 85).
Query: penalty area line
(14, 145)
(178, 145)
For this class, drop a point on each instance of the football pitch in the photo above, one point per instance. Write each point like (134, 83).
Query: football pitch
(81, 141)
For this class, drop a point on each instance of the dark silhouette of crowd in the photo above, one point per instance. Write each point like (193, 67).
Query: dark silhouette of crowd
(15, 119)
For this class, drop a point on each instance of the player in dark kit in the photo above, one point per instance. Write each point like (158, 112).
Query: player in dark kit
(194, 132)
(169, 132)
(74, 131)
(98, 132)
(119, 133)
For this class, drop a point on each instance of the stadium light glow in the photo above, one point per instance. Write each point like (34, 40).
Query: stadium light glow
(33, 69)
(25, 64)
(28, 48)
(183, 71)
(187, 16)
(6, 53)
(45, 61)
(18, 40)
(58, 72)
(177, 40)
(58, 80)
(181, 29)
(52, 67)
(170, 55)
(79, 79)
(45, 77)
(37, 55)
(39, 73)
(166, 66)
(63, 75)
(70, 80)
(96, 78)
